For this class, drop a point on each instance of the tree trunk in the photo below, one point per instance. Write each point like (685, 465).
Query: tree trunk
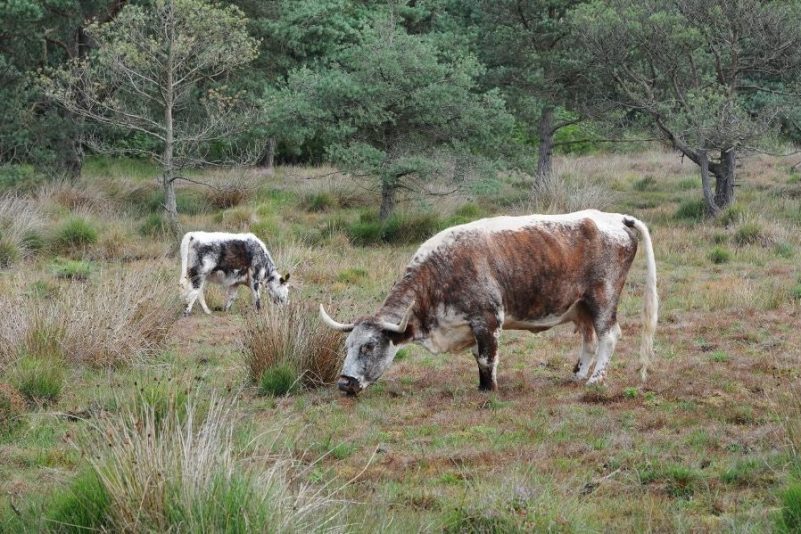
(168, 176)
(724, 178)
(267, 158)
(545, 160)
(709, 202)
(388, 189)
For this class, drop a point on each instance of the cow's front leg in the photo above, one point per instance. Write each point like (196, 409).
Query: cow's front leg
(486, 354)
(587, 352)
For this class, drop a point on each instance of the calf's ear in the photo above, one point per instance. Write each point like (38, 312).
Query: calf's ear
(284, 279)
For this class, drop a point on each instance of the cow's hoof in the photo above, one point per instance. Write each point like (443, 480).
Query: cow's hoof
(579, 377)
(186, 313)
(488, 387)
(596, 379)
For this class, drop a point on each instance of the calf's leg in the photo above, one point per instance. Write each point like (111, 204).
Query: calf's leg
(230, 296)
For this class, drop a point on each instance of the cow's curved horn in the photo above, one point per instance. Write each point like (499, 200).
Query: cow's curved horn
(401, 326)
(332, 323)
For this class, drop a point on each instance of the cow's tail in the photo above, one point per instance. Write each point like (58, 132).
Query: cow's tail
(650, 307)
(183, 281)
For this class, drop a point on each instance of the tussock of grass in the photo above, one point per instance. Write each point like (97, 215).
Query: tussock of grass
(290, 338)
(191, 478)
(40, 377)
(105, 321)
(21, 226)
(790, 519)
(74, 234)
(71, 269)
(12, 409)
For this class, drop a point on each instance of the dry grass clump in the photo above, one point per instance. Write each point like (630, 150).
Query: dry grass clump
(569, 189)
(12, 408)
(21, 224)
(231, 192)
(292, 343)
(110, 319)
(181, 473)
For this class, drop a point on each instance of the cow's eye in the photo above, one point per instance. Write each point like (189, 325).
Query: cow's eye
(368, 348)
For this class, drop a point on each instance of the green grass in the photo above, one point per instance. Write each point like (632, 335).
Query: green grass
(39, 378)
(82, 506)
(690, 210)
(71, 269)
(74, 233)
(790, 518)
(279, 380)
(719, 255)
(748, 234)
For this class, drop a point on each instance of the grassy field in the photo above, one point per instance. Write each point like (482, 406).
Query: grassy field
(117, 413)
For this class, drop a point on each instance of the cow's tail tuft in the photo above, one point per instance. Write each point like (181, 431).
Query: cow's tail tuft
(183, 281)
(650, 307)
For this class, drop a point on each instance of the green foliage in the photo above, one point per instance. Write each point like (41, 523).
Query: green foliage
(38, 378)
(731, 216)
(20, 178)
(9, 253)
(279, 380)
(399, 228)
(83, 506)
(12, 409)
(719, 356)
(691, 210)
(784, 250)
(352, 275)
(646, 183)
(630, 392)
(748, 234)
(719, 255)
(317, 202)
(154, 225)
(74, 234)
(790, 519)
(71, 269)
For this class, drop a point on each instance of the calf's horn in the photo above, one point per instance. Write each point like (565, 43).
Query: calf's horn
(401, 326)
(333, 324)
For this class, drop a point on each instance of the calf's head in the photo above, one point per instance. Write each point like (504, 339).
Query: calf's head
(370, 348)
(277, 287)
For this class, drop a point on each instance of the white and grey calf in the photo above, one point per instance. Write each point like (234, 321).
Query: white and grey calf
(230, 260)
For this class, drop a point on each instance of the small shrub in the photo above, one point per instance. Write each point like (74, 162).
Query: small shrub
(719, 255)
(352, 275)
(719, 356)
(12, 409)
(691, 210)
(39, 379)
(154, 225)
(83, 506)
(295, 338)
(74, 233)
(318, 202)
(399, 228)
(9, 253)
(71, 269)
(731, 216)
(784, 250)
(748, 234)
(646, 183)
(279, 380)
(790, 520)
(229, 195)
(630, 393)
(365, 232)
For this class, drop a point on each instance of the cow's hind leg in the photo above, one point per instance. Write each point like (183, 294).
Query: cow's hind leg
(196, 290)
(202, 298)
(607, 339)
(486, 353)
(230, 297)
(254, 288)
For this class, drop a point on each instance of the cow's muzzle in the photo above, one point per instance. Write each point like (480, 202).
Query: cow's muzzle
(349, 385)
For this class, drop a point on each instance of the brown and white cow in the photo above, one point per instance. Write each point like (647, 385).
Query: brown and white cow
(467, 283)
(230, 260)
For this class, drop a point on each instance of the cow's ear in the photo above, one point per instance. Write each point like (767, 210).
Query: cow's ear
(285, 279)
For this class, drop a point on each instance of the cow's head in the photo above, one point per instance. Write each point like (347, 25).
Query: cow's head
(278, 288)
(370, 348)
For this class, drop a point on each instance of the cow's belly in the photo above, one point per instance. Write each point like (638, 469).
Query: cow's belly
(450, 338)
(539, 324)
